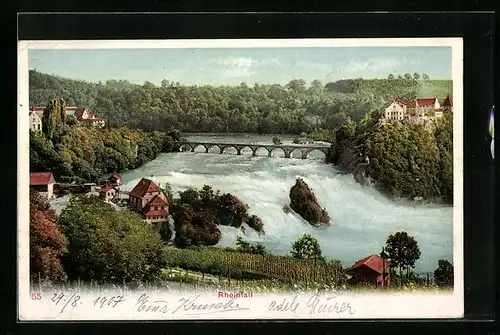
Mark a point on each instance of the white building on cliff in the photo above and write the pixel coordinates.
(416, 111)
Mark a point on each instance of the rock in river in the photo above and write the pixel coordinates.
(304, 202)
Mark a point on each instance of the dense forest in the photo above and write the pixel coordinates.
(84, 153)
(295, 108)
(403, 160)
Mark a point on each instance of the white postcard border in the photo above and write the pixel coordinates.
(412, 305)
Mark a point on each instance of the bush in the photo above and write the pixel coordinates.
(108, 245)
(244, 246)
(199, 213)
(443, 275)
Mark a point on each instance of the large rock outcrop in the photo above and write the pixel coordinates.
(304, 202)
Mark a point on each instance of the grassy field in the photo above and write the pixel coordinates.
(436, 88)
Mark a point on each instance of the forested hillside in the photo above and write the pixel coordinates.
(405, 160)
(83, 152)
(293, 108)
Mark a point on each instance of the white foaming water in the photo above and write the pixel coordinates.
(361, 217)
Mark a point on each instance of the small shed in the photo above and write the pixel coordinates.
(107, 193)
(43, 182)
(369, 271)
(89, 187)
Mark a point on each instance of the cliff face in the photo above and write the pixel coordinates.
(352, 160)
(304, 202)
(400, 160)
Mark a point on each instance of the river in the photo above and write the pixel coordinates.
(361, 217)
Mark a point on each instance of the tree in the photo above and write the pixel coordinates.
(307, 247)
(276, 140)
(255, 222)
(167, 192)
(244, 246)
(407, 76)
(163, 229)
(443, 275)
(194, 228)
(402, 251)
(71, 120)
(109, 245)
(164, 83)
(47, 242)
(391, 76)
(416, 76)
(425, 76)
(190, 196)
(62, 110)
(316, 86)
(296, 85)
(48, 125)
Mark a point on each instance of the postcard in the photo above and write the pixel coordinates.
(240, 179)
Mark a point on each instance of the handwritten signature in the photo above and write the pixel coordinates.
(144, 304)
(318, 304)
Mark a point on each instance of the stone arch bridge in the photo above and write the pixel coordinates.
(287, 149)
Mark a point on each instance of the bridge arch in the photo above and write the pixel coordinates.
(224, 147)
(242, 149)
(209, 147)
(276, 149)
(317, 152)
(296, 153)
(197, 145)
(185, 147)
(261, 148)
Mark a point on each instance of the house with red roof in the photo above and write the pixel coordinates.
(146, 198)
(95, 121)
(81, 114)
(413, 111)
(371, 270)
(107, 193)
(43, 182)
(447, 105)
(156, 209)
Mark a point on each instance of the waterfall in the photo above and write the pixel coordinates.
(171, 227)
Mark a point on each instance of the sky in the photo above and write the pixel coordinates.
(232, 66)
